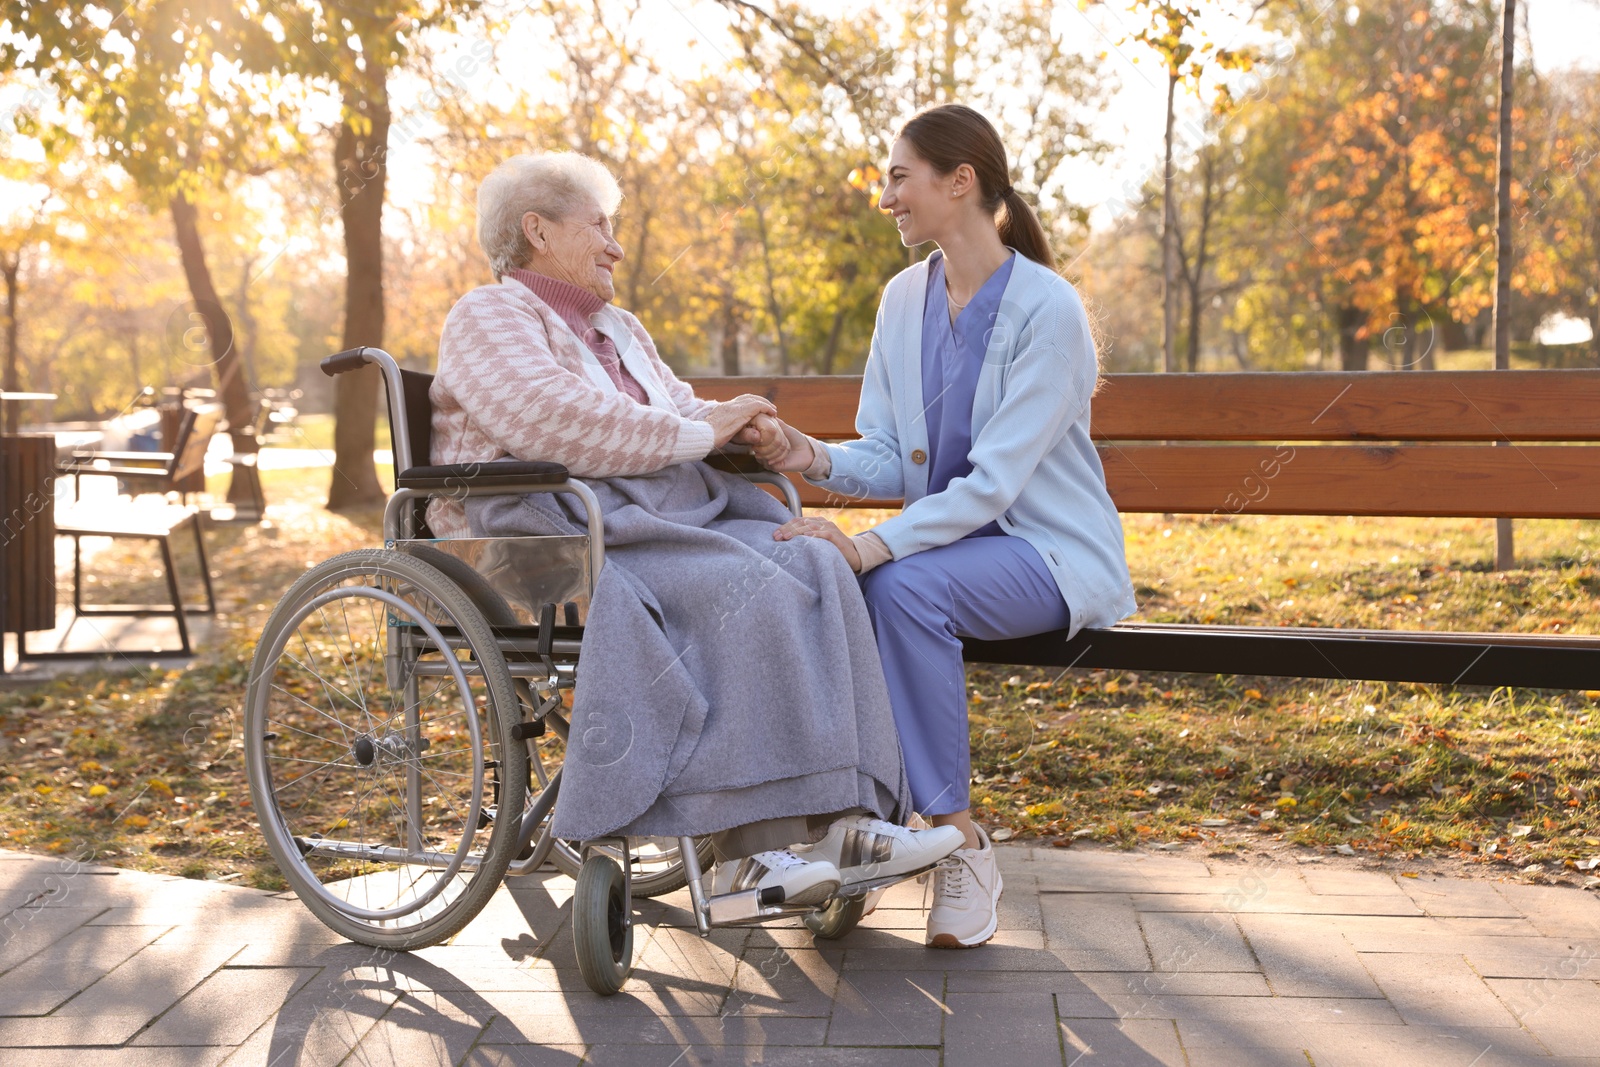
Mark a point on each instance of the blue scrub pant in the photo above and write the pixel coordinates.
(990, 588)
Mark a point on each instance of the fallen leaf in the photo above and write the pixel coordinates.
(98, 790)
(1004, 833)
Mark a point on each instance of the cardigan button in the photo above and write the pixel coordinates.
(919, 456)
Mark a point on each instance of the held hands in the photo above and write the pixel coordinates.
(779, 446)
(731, 421)
(815, 526)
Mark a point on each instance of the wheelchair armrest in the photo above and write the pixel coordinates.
(510, 474)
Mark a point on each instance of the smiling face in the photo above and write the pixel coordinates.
(579, 249)
(924, 202)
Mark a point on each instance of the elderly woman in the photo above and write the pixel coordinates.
(680, 723)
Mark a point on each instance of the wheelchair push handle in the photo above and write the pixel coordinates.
(342, 362)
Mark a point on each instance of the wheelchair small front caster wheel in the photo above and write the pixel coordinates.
(602, 931)
(837, 919)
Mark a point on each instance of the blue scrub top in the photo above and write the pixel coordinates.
(952, 356)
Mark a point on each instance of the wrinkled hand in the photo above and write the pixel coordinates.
(826, 530)
(729, 419)
(781, 447)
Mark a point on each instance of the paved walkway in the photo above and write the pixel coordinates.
(1102, 958)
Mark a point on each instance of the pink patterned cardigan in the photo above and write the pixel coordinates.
(515, 382)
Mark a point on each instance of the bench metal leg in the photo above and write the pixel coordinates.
(205, 567)
(172, 591)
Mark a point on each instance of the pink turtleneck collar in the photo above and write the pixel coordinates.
(576, 306)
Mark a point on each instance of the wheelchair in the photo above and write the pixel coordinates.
(405, 723)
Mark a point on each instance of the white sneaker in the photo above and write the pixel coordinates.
(864, 848)
(803, 881)
(966, 898)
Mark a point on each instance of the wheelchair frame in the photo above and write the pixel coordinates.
(469, 633)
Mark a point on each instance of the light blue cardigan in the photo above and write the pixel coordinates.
(1035, 469)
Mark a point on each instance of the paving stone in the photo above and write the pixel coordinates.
(424, 1028)
(1231, 1013)
(1237, 1056)
(683, 954)
(152, 981)
(1169, 984)
(1555, 911)
(882, 1008)
(1280, 903)
(1560, 1014)
(1432, 989)
(70, 965)
(486, 1055)
(28, 930)
(1410, 1046)
(56, 1031)
(1303, 956)
(1454, 896)
(124, 1057)
(320, 1024)
(1011, 1028)
(789, 982)
(990, 958)
(1196, 942)
(227, 1007)
(512, 1025)
(1580, 966)
(1129, 1043)
(1095, 932)
(771, 1056)
(1464, 936)
(1340, 883)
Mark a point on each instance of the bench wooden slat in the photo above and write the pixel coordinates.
(1435, 481)
(1542, 405)
(1304, 653)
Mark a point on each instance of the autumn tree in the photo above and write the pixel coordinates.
(167, 92)
(355, 50)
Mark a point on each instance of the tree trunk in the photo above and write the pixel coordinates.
(244, 485)
(360, 162)
(1169, 267)
(730, 337)
(1504, 548)
(830, 351)
(1353, 349)
(12, 380)
(1192, 345)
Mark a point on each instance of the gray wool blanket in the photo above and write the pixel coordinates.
(726, 677)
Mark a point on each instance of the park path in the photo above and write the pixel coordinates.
(1102, 958)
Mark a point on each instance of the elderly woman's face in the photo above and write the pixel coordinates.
(579, 249)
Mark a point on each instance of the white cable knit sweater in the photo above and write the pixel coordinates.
(515, 382)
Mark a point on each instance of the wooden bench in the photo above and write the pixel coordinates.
(148, 520)
(1416, 443)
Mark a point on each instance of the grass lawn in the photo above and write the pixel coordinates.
(144, 767)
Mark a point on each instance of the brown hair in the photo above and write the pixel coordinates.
(952, 134)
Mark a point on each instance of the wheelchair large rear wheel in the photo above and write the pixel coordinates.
(377, 727)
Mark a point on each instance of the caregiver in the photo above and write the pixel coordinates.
(975, 409)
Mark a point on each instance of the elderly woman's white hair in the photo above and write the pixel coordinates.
(552, 184)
